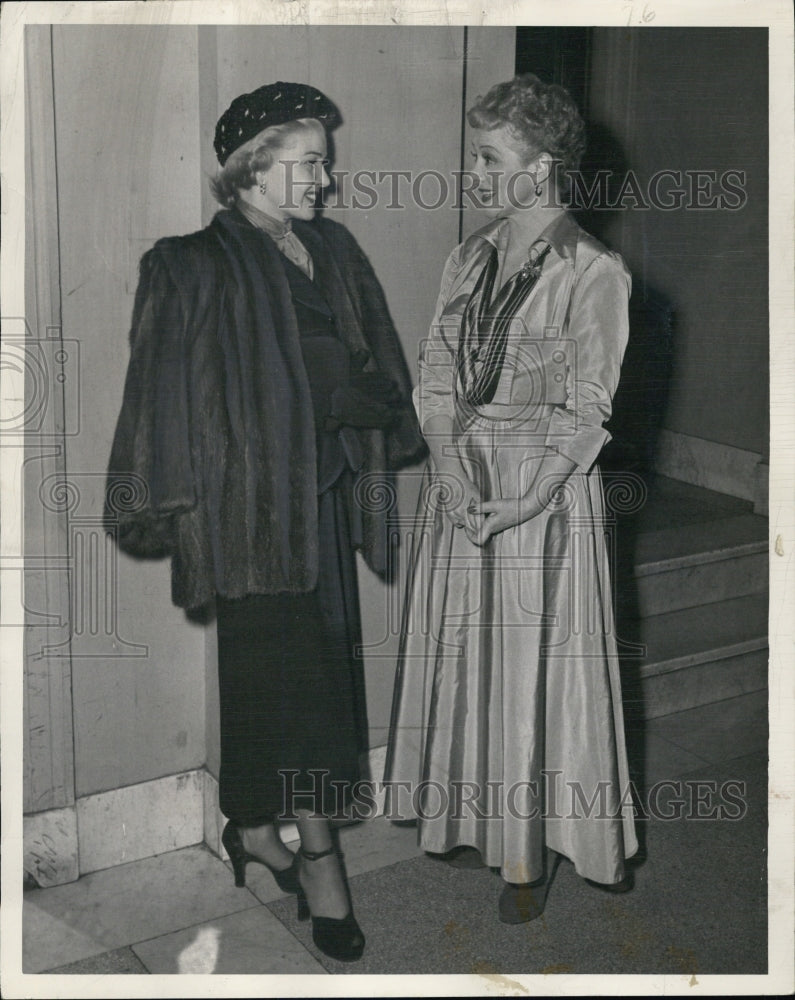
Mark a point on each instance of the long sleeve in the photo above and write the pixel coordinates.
(598, 328)
(404, 443)
(434, 394)
(150, 475)
(364, 313)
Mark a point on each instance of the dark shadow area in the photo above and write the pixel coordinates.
(627, 468)
(557, 55)
(597, 188)
(639, 407)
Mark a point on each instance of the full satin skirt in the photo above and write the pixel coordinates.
(507, 729)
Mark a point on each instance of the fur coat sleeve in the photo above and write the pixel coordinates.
(148, 486)
(213, 460)
(404, 444)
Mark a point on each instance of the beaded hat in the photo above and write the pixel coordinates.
(273, 104)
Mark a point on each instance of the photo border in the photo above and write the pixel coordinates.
(778, 18)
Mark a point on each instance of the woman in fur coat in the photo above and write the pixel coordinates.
(266, 393)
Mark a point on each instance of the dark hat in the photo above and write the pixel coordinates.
(273, 104)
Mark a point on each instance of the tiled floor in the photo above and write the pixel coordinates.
(180, 912)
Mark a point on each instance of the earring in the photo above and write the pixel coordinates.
(538, 190)
(263, 187)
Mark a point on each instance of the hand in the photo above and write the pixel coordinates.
(497, 515)
(375, 385)
(369, 399)
(458, 496)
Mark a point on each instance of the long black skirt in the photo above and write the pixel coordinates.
(293, 716)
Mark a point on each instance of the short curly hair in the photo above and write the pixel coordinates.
(541, 117)
(240, 170)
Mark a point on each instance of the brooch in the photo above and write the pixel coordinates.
(535, 261)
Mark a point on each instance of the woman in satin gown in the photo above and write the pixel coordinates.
(507, 727)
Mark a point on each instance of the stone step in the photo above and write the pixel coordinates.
(693, 564)
(705, 683)
(694, 656)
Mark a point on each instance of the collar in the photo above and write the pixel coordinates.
(273, 227)
(561, 234)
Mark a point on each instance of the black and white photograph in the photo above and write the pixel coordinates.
(398, 519)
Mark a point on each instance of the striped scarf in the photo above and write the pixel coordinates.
(485, 325)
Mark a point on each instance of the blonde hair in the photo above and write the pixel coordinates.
(240, 170)
(541, 117)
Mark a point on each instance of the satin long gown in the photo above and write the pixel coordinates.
(507, 727)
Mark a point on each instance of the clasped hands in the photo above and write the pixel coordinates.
(482, 519)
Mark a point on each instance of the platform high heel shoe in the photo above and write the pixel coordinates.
(340, 938)
(286, 879)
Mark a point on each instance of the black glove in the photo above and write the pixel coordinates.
(368, 399)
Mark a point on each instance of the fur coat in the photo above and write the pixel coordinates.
(214, 457)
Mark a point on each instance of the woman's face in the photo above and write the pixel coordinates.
(506, 179)
(297, 176)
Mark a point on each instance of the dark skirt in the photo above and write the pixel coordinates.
(293, 716)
